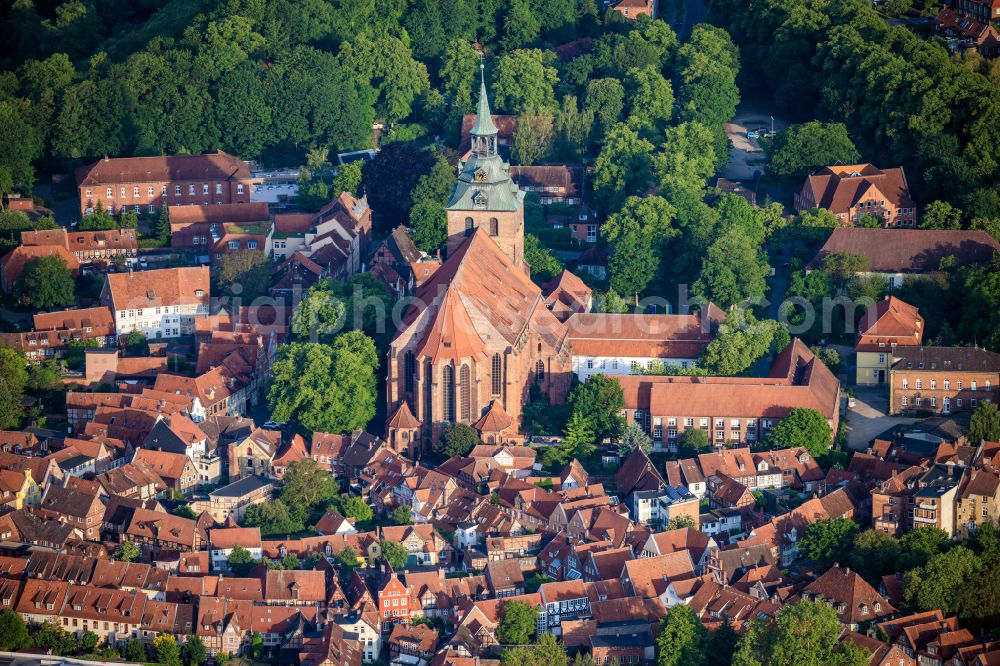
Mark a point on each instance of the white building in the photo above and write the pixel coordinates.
(369, 637)
(626, 344)
(159, 304)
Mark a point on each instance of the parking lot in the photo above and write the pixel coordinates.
(746, 156)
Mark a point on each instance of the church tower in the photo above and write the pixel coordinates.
(484, 195)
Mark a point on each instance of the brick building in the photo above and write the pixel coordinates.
(146, 184)
(87, 246)
(220, 229)
(53, 330)
(888, 324)
(943, 380)
(734, 411)
(852, 190)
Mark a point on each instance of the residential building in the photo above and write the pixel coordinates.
(89, 247)
(886, 325)
(943, 380)
(12, 264)
(977, 502)
(632, 9)
(851, 191)
(973, 24)
(146, 184)
(217, 230)
(412, 645)
(856, 602)
(554, 183)
(160, 303)
(52, 332)
(566, 294)
(176, 469)
(233, 500)
(624, 344)
(897, 254)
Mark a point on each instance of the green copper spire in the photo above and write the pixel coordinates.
(484, 119)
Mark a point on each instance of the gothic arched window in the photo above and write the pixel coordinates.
(428, 393)
(448, 393)
(497, 374)
(470, 225)
(540, 372)
(465, 393)
(409, 370)
(494, 226)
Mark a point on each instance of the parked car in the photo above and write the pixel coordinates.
(753, 134)
(272, 425)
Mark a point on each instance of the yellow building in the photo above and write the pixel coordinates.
(886, 325)
(18, 489)
(977, 502)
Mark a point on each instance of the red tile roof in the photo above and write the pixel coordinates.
(890, 321)
(210, 166)
(908, 250)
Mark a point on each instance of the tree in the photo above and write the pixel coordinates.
(634, 436)
(544, 264)
(535, 581)
(45, 283)
(546, 652)
(87, 642)
(457, 440)
(803, 427)
(517, 623)
(721, 645)
(807, 633)
(273, 518)
(800, 149)
(520, 26)
(600, 401)
(429, 225)
(167, 651)
(734, 270)
(650, 98)
(532, 137)
(13, 631)
(940, 215)
(346, 560)
(578, 438)
(135, 651)
(243, 274)
(194, 650)
(573, 128)
(391, 177)
(162, 228)
(99, 220)
(875, 554)
(623, 168)
(328, 388)
(524, 82)
(919, 545)
(44, 376)
(307, 486)
(240, 561)
(681, 522)
(741, 340)
(402, 515)
(354, 507)
(693, 441)
(127, 552)
(985, 423)
(610, 301)
(827, 542)
(636, 234)
(21, 143)
(395, 554)
(387, 62)
(606, 101)
(682, 638)
(51, 636)
(135, 343)
(348, 178)
(938, 584)
(13, 380)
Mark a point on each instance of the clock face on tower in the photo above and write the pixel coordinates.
(481, 176)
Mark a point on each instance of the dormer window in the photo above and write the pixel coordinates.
(479, 200)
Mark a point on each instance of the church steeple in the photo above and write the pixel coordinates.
(484, 131)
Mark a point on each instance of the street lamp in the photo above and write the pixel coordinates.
(772, 124)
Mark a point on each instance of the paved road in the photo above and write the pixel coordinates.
(695, 12)
(868, 418)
